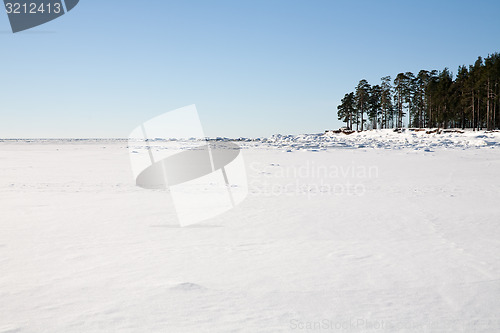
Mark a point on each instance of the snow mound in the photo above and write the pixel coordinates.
(385, 139)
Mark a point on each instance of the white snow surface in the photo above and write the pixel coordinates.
(369, 232)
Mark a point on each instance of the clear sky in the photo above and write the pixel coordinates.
(253, 68)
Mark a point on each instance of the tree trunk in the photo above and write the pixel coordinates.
(362, 120)
(473, 112)
(357, 121)
(478, 119)
(488, 116)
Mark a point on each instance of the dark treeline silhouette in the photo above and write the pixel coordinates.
(428, 99)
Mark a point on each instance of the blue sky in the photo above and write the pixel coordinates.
(253, 68)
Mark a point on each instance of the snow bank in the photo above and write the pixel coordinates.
(386, 139)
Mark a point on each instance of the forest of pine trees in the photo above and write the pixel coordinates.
(428, 99)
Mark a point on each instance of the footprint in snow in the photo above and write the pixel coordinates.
(187, 286)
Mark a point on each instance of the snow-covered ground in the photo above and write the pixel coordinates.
(371, 232)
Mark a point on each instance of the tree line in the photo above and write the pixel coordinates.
(428, 99)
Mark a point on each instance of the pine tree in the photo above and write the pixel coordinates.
(400, 92)
(375, 105)
(362, 100)
(409, 96)
(462, 95)
(386, 101)
(420, 97)
(443, 97)
(346, 110)
(476, 71)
